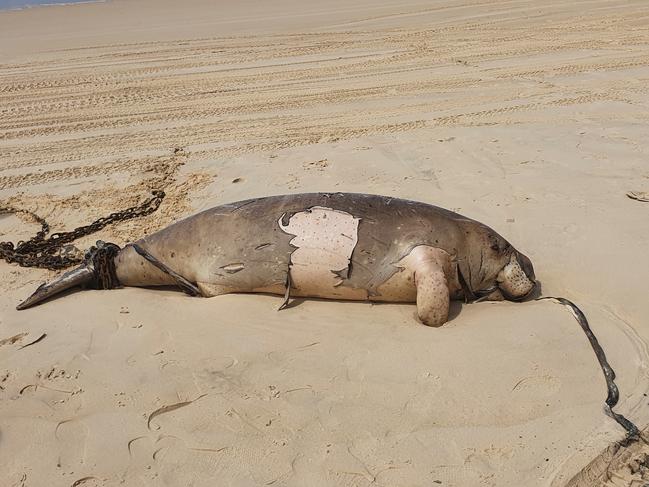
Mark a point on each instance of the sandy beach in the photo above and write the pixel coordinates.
(531, 117)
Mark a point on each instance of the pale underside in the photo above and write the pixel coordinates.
(426, 276)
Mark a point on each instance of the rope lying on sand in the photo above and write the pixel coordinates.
(609, 374)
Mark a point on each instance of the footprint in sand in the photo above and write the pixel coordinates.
(71, 436)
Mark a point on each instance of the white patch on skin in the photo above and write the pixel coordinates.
(325, 239)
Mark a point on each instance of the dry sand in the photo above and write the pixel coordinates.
(529, 116)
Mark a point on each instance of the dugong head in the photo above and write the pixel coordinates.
(491, 268)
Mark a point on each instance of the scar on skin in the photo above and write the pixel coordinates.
(233, 268)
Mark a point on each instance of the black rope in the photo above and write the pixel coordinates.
(182, 283)
(609, 374)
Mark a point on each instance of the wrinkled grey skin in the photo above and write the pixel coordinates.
(242, 246)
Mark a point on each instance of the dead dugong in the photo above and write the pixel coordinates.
(328, 245)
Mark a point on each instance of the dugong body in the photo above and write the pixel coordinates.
(333, 245)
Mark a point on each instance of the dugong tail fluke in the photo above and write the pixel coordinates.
(80, 276)
(97, 271)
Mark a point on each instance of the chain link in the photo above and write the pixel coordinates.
(47, 253)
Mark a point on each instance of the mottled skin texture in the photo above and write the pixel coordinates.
(402, 251)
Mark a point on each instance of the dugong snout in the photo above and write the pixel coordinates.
(516, 280)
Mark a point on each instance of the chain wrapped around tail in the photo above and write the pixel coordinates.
(97, 272)
(97, 269)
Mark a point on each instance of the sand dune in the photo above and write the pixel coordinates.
(531, 118)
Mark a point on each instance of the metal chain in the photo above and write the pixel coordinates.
(46, 252)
